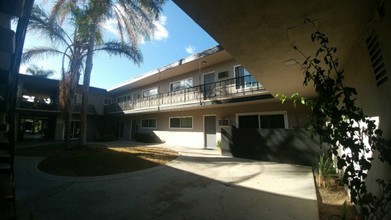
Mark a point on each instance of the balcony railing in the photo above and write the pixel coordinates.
(43, 106)
(226, 89)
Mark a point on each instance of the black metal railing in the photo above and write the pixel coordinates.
(239, 86)
(40, 105)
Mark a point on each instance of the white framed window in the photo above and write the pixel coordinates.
(150, 92)
(148, 123)
(123, 98)
(244, 79)
(181, 122)
(181, 84)
(107, 101)
(259, 120)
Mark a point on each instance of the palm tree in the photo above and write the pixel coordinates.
(34, 70)
(134, 19)
(75, 52)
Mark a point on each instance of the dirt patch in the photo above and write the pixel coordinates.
(97, 160)
(331, 199)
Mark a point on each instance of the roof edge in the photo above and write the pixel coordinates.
(178, 63)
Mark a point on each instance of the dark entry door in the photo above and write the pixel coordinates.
(210, 131)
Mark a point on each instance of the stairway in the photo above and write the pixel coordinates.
(11, 47)
(7, 190)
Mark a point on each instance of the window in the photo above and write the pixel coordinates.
(244, 79)
(107, 101)
(77, 99)
(123, 98)
(136, 95)
(74, 130)
(148, 123)
(150, 92)
(221, 75)
(182, 84)
(259, 120)
(181, 122)
(377, 60)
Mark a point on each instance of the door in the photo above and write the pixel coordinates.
(120, 129)
(210, 131)
(133, 130)
(128, 130)
(209, 85)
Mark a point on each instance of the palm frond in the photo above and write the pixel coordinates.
(62, 8)
(40, 52)
(34, 70)
(135, 19)
(41, 24)
(121, 49)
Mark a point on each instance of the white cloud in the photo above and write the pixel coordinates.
(190, 49)
(111, 26)
(160, 33)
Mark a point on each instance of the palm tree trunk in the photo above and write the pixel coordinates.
(68, 90)
(86, 88)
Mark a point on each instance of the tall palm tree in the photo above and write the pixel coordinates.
(74, 49)
(34, 70)
(66, 45)
(134, 19)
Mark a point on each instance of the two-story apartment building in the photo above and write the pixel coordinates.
(38, 113)
(187, 102)
(184, 103)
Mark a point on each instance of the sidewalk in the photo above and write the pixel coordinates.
(199, 184)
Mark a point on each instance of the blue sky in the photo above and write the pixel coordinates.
(178, 36)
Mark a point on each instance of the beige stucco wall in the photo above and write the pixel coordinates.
(196, 75)
(374, 100)
(194, 137)
(97, 98)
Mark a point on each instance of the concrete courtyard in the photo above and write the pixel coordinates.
(199, 184)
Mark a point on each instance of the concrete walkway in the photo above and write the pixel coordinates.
(199, 184)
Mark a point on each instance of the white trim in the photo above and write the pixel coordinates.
(141, 124)
(169, 85)
(203, 126)
(181, 62)
(192, 122)
(244, 88)
(284, 113)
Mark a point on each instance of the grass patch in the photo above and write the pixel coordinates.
(97, 160)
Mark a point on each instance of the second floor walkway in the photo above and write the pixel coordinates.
(230, 90)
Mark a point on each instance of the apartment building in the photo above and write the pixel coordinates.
(261, 34)
(187, 102)
(38, 114)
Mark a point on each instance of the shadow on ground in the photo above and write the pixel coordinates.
(191, 187)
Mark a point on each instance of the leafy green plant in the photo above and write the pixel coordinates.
(219, 145)
(326, 169)
(341, 124)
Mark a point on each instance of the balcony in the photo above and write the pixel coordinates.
(40, 105)
(230, 90)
